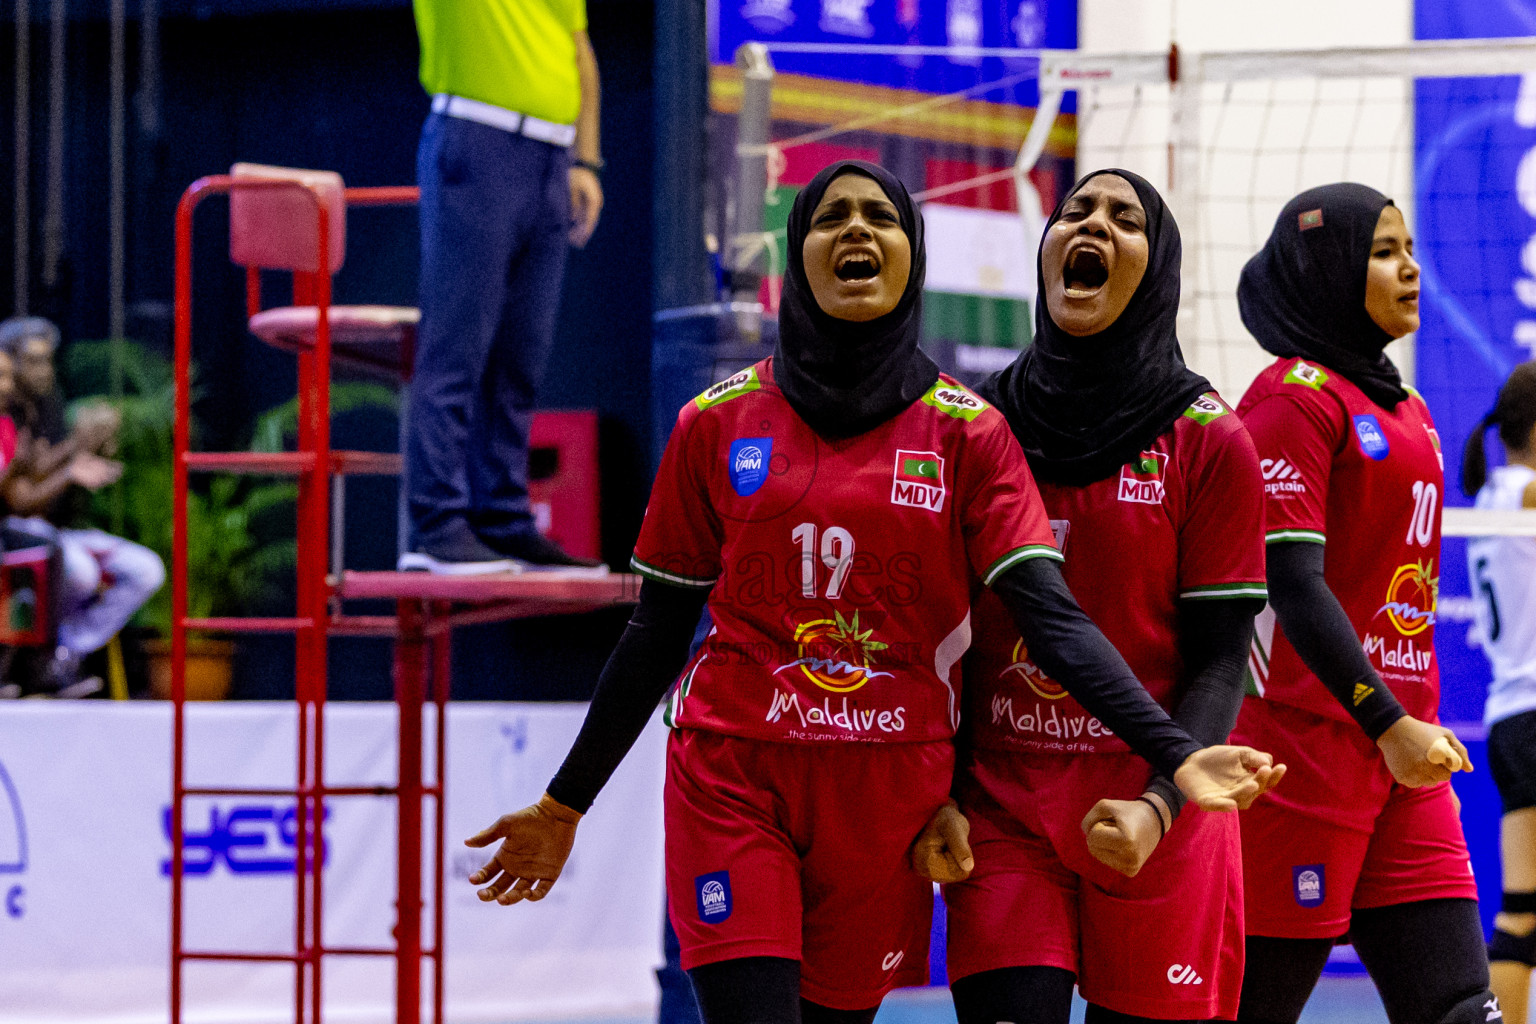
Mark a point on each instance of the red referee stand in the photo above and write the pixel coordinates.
(295, 221)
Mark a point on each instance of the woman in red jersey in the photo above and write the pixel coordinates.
(835, 505)
(1153, 487)
(1365, 838)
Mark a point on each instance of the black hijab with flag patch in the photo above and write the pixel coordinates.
(1083, 407)
(846, 378)
(1303, 294)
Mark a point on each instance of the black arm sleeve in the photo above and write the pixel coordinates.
(1064, 642)
(638, 674)
(1214, 636)
(1315, 624)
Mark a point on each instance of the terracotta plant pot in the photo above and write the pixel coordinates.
(210, 666)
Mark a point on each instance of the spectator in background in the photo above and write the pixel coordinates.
(105, 578)
(514, 87)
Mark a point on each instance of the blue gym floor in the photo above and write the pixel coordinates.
(1338, 1000)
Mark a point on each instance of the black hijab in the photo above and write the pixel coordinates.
(1083, 407)
(846, 378)
(1303, 294)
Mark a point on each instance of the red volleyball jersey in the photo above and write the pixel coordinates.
(1368, 481)
(842, 572)
(1184, 520)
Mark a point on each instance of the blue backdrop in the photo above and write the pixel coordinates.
(1475, 175)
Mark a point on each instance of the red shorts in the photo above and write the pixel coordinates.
(1167, 943)
(1338, 834)
(800, 851)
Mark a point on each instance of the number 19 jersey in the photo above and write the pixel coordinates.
(842, 572)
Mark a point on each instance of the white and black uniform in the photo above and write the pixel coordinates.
(1502, 571)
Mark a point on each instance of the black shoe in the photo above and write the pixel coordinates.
(535, 553)
(460, 553)
(60, 677)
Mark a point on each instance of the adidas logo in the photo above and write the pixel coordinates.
(1184, 974)
(1362, 691)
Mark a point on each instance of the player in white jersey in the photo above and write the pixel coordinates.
(1503, 575)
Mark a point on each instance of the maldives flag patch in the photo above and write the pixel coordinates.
(918, 480)
(1309, 219)
(1141, 479)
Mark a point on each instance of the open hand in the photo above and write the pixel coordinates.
(535, 843)
(1420, 754)
(1123, 833)
(1227, 778)
(942, 852)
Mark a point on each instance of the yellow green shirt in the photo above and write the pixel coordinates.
(516, 54)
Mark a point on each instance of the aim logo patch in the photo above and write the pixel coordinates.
(836, 654)
(1310, 884)
(1032, 674)
(1411, 598)
(714, 896)
(748, 463)
(918, 480)
(1373, 442)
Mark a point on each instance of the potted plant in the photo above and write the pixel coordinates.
(241, 551)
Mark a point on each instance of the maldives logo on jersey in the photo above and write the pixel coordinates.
(836, 654)
(1372, 441)
(748, 463)
(918, 481)
(1141, 481)
(1024, 669)
(1411, 598)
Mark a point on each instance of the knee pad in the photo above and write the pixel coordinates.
(1520, 949)
(1518, 903)
(1482, 1008)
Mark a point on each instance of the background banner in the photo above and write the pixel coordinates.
(85, 852)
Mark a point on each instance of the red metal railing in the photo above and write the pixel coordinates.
(425, 617)
(313, 464)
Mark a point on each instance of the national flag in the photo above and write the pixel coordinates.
(919, 468)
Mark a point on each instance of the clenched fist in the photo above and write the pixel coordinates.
(1123, 833)
(942, 853)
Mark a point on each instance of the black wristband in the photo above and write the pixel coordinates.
(595, 166)
(1164, 787)
(1162, 829)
